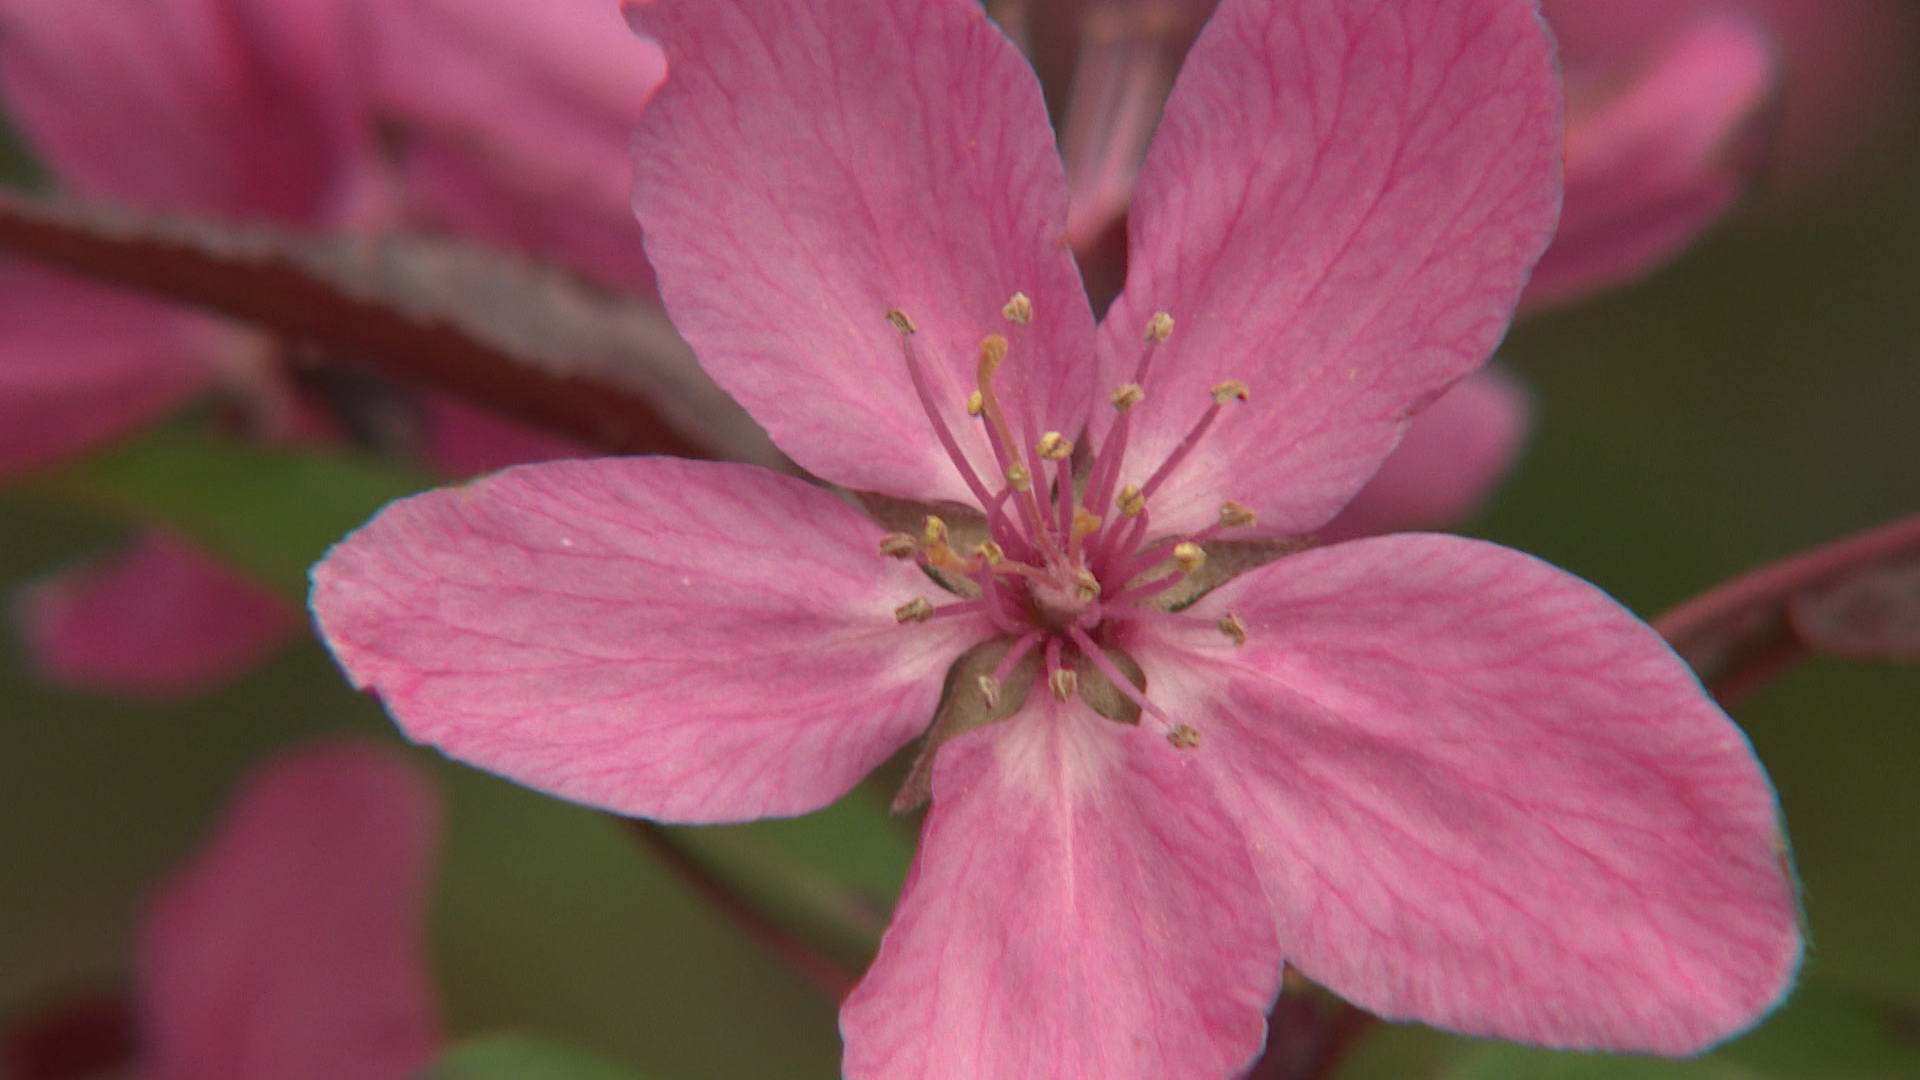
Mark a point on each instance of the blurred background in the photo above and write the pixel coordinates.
(1759, 396)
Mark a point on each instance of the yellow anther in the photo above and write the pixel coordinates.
(918, 609)
(1235, 630)
(1064, 684)
(1085, 522)
(899, 546)
(1130, 501)
(989, 689)
(1160, 327)
(934, 533)
(1019, 478)
(1055, 446)
(900, 321)
(991, 552)
(1235, 516)
(993, 349)
(1019, 310)
(1085, 586)
(1126, 396)
(976, 403)
(1231, 390)
(1184, 737)
(1189, 556)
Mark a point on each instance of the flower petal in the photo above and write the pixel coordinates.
(160, 619)
(670, 639)
(1482, 795)
(1447, 466)
(81, 364)
(809, 165)
(291, 947)
(1080, 907)
(1658, 161)
(1339, 209)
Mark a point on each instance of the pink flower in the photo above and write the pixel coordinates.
(1445, 780)
(290, 948)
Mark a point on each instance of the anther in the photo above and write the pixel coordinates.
(1019, 310)
(989, 689)
(899, 546)
(1189, 556)
(1160, 327)
(900, 321)
(934, 533)
(1086, 587)
(1055, 446)
(1064, 683)
(1130, 501)
(1235, 516)
(1235, 630)
(993, 349)
(993, 553)
(1184, 737)
(1126, 396)
(1231, 390)
(918, 609)
(976, 403)
(1018, 478)
(1086, 523)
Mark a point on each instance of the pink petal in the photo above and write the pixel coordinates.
(670, 639)
(160, 619)
(809, 165)
(81, 364)
(245, 110)
(290, 948)
(1446, 467)
(1483, 795)
(519, 120)
(1080, 908)
(1650, 167)
(1339, 209)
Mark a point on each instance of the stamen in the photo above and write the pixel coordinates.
(1086, 523)
(900, 321)
(1183, 737)
(1235, 630)
(976, 401)
(1086, 587)
(934, 532)
(1223, 393)
(1055, 446)
(993, 352)
(991, 552)
(989, 689)
(899, 546)
(1019, 478)
(1019, 310)
(1126, 396)
(1004, 668)
(940, 430)
(1160, 328)
(918, 609)
(1120, 682)
(1130, 501)
(1235, 516)
(1189, 557)
(1064, 684)
(1231, 390)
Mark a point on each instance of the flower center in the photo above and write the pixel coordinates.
(1065, 552)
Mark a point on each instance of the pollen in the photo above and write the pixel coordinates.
(976, 403)
(1189, 556)
(1055, 446)
(1126, 396)
(934, 533)
(1086, 523)
(918, 609)
(899, 546)
(1184, 737)
(1130, 501)
(1235, 516)
(1064, 683)
(900, 321)
(1235, 630)
(1231, 390)
(991, 552)
(1160, 327)
(1019, 310)
(1018, 478)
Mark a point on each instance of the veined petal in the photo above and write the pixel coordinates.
(1339, 209)
(670, 639)
(81, 363)
(1654, 164)
(1448, 463)
(1483, 795)
(1080, 908)
(809, 165)
(292, 946)
(160, 619)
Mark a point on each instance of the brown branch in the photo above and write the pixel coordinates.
(1854, 597)
(825, 973)
(524, 341)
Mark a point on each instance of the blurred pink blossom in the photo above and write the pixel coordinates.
(1445, 780)
(291, 947)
